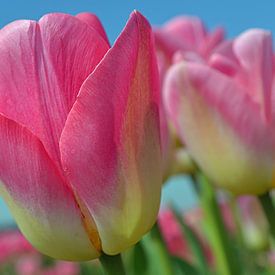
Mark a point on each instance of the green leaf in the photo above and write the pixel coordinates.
(136, 260)
(159, 260)
(217, 234)
(184, 268)
(140, 261)
(91, 267)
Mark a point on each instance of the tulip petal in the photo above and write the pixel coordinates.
(225, 49)
(181, 33)
(41, 203)
(42, 68)
(213, 40)
(187, 28)
(93, 21)
(217, 120)
(110, 146)
(223, 64)
(254, 51)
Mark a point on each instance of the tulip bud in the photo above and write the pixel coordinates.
(224, 115)
(80, 162)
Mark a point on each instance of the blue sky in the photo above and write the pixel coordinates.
(235, 15)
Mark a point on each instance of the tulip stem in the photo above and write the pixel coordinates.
(112, 265)
(215, 229)
(269, 210)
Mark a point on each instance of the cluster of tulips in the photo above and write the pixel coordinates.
(18, 257)
(89, 132)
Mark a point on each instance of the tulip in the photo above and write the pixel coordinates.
(183, 37)
(222, 109)
(17, 252)
(172, 234)
(80, 161)
(13, 244)
(175, 238)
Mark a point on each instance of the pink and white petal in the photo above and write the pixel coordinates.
(254, 51)
(93, 21)
(41, 203)
(110, 146)
(221, 127)
(42, 68)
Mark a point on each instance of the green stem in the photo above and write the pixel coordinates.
(245, 254)
(269, 210)
(112, 265)
(218, 237)
(196, 185)
(159, 256)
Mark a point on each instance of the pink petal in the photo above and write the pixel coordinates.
(221, 127)
(93, 21)
(212, 41)
(187, 56)
(233, 103)
(191, 30)
(166, 45)
(223, 64)
(42, 68)
(226, 49)
(224, 59)
(181, 33)
(173, 236)
(39, 199)
(254, 52)
(110, 145)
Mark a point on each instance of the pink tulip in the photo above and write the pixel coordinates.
(80, 154)
(173, 235)
(15, 249)
(223, 111)
(175, 239)
(13, 244)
